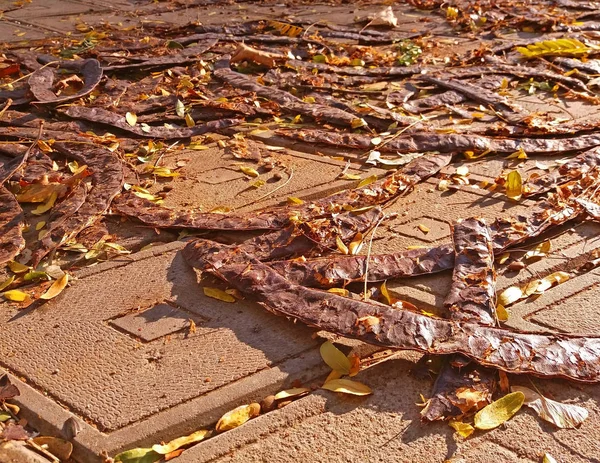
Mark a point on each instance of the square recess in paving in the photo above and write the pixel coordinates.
(125, 325)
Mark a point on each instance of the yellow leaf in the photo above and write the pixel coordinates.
(358, 122)
(333, 375)
(237, 417)
(500, 411)
(452, 13)
(510, 295)
(501, 313)
(56, 288)
(15, 295)
(462, 429)
(16, 267)
(503, 257)
(294, 200)
(565, 416)
(472, 155)
(219, 294)
(347, 386)
(548, 458)
(189, 121)
(549, 281)
(514, 185)
(198, 146)
(423, 228)
(180, 442)
(347, 176)
(335, 358)
(539, 251)
(385, 293)
(286, 29)
(356, 244)
(339, 291)
(521, 154)
(249, 171)
(139, 455)
(340, 245)
(131, 119)
(38, 193)
(289, 393)
(376, 141)
(6, 283)
(558, 47)
(45, 207)
(367, 181)
(41, 224)
(462, 171)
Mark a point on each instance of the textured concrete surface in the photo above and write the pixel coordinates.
(117, 353)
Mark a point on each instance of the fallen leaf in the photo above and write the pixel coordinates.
(366, 181)
(463, 171)
(358, 122)
(58, 447)
(551, 280)
(289, 393)
(356, 244)
(514, 185)
(349, 176)
(39, 193)
(463, 429)
(219, 294)
(539, 251)
(423, 228)
(354, 364)
(339, 291)
(56, 288)
(173, 454)
(385, 293)
(15, 295)
(562, 415)
(139, 455)
(189, 121)
(131, 119)
(557, 47)
(16, 267)
(237, 417)
(249, 171)
(45, 207)
(6, 283)
(510, 295)
(246, 53)
(500, 411)
(385, 17)
(347, 386)
(548, 458)
(335, 358)
(340, 245)
(180, 442)
(294, 200)
(501, 313)
(180, 108)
